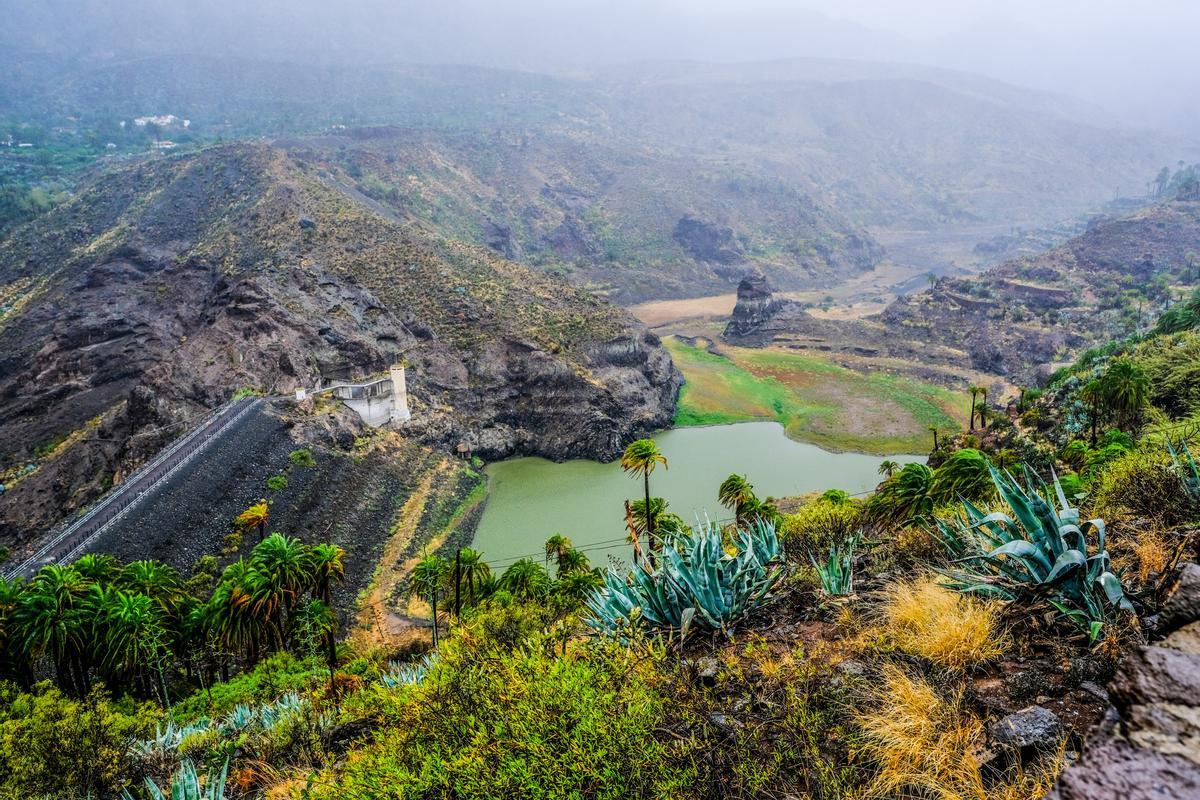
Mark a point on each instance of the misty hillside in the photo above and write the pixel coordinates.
(163, 288)
(654, 180)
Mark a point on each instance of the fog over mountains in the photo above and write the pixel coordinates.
(1124, 58)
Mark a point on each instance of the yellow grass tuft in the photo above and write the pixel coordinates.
(922, 744)
(948, 628)
(1152, 555)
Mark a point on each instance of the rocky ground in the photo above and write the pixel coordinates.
(1148, 745)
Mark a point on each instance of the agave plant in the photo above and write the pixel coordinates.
(837, 571)
(239, 719)
(695, 582)
(1189, 473)
(407, 674)
(185, 785)
(1038, 553)
(167, 739)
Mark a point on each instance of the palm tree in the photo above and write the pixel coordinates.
(1126, 390)
(135, 636)
(1094, 395)
(735, 493)
(527, 579)
(10, 594)
(428, 582)
(256, 516)
(49, 622)
(640, 458)
(281, 569)
(933, 429)
(231, 616)
(328, 567)
(887, 468)
(974, 390)
(155, 580)
(473, 575)
(573, 562)
(98, 567)
(558, 546)
(983, 406)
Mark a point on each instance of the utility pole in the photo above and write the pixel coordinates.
(457, 579)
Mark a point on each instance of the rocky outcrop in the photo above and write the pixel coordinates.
(1149, 746)
(755, 305)
(707, 241)
(135, 320)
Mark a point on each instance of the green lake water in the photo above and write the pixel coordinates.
(531, 499)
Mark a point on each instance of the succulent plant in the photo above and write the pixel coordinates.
(696, 582)
(1185, 467)
(185, 785)
(168, 738)
(837, 571)
(407, 674)
(1039, 553)
(239, 719)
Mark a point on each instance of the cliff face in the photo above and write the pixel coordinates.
(163, 288)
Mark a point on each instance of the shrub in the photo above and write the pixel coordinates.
(1142, 485)
(1040, 554)
(1075, 454)
(942, 626)
(302, 457)
(277, 483)
(272, 677)
(493, 722)
(58, 746)
(820, 524)
(695, 581)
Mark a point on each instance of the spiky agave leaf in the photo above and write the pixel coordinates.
(696, 582)
(1040, 553)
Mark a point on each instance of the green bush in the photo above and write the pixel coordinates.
(270, 678)
(821, 523)
(492, 722)
(1142, 485)
(302, 457)
(58, 746)
(277, 483)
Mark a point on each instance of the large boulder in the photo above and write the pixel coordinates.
(755, 305)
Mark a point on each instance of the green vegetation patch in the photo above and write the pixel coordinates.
(815, 400)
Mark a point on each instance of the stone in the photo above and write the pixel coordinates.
(755, 304)
(706, 670)
(307, 224)
(1157, 675)
(1031, 729)
(1183, 604)
(1117, 769)
(1168, 728)
(1185, 640)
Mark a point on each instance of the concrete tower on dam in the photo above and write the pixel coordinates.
(378, 402)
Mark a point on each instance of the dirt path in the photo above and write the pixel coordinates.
(377, 624)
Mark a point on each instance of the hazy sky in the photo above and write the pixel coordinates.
(1138, 59)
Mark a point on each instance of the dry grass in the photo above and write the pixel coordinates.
(923, 744)
(945, 627)
(1152, 555)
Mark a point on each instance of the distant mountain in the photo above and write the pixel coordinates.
(163, 287)
(627, 178)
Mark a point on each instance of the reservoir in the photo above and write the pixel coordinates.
(531, 499)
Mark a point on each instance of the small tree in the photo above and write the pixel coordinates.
(428, 582)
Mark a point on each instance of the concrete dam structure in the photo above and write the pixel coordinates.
(378, 402)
